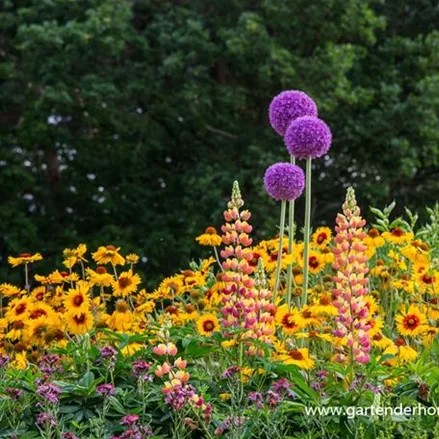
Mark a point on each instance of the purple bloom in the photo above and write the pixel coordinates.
(48, 364)
(140, 367)
(229, 423)
(46, 419)
(228, 373)
(284, 181)
(178, 396)
(281, 385)
(105, 389)
(49, 392)
(129, 420)
(14, 393)
(308, 137)
(4, 360)
(273, 398)
(288, 106)
(69, 435)
(108, 352)
(257, 398)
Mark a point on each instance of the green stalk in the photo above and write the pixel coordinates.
(290, 243)
(279, 254)
(307, 230)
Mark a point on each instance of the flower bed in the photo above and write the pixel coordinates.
(241, 344)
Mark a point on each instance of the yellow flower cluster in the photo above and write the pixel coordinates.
(102, 290)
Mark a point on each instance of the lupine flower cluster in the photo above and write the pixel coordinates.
(351, 281)
(246, 303)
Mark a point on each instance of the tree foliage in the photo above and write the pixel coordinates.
(125, 122)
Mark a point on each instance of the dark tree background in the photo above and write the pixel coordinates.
(126, 122)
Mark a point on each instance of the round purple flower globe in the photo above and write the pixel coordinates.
(308, 137)
(284, 181)
(288, 106)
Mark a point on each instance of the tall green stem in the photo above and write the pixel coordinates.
(279, 253)
(290, 243)
(307, 231)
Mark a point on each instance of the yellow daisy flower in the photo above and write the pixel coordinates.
(8, 290)
(18, 309)
(122, 318)
(416, 251)
(74, 255)
(132, 258)
(126, 284)
(288, 321)
(411, 322)
(78, 323)
(207, 324)
(321, 237)
(77, 300)
(24, 258)
(299, 357)
(108, 254)
(99, 277)
(209, 238)
(398, 236)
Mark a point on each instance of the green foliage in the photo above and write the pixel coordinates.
(125, 122)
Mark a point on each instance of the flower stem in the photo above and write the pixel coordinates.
(279, 254)
(307, 231)
(26, 275)
(217, 258)
(290, 243)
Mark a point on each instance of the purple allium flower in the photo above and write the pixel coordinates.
(49, 392)
(129, 420)
(284, 181)
(308, 137)
(13, 393)
(288, 106)
(105, 389)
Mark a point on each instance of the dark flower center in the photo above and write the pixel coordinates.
(411, 321)
(398, 232)
(321, 238)
(124, 282)
(208, 326)
(373, 233)
(78, 300)
(296, 355)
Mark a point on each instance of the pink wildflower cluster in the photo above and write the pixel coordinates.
(245, 305)
(351, 281)
(176, 387)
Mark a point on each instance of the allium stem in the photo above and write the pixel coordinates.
(290, 243)
(279, 253)
(26, 276)
(307, 230)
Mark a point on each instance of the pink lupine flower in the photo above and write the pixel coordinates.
(351, 281)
